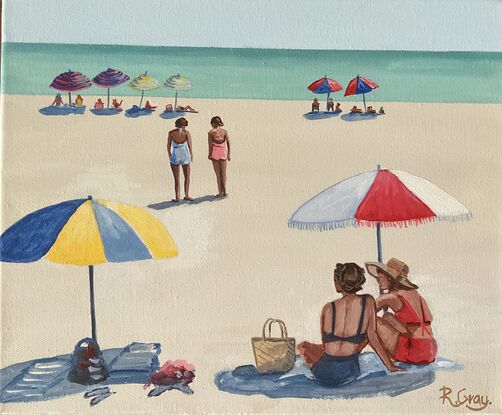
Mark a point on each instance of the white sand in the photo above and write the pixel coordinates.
(239, 263)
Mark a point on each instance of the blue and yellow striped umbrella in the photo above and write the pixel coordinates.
(87, 232)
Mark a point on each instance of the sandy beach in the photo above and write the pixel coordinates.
(238, 262)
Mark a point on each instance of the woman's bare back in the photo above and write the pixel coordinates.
(348, 314)
(177, 136)
(218, 135)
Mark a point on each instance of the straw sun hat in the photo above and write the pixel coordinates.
(395, 269)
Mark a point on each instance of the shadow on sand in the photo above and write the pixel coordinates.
(61, 110)
(354, 116)
(197, 200)
(168, 115)
(321, 115)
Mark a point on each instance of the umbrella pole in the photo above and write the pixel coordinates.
(379, 236)
(69, 98)
(379, 242)
(364, 101)
(327, 100)
(108, 103)
(175, 100)
(141, 101)
(93, 312)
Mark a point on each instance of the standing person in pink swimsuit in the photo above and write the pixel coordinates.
(219, 153)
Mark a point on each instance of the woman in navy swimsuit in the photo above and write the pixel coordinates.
(347, 325)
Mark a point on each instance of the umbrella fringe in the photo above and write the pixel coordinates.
(327, 226)
(321, 226)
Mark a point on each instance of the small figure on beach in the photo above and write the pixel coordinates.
(99, 105)
(219, 153)
(58, 101)
(169, 108)
(381, 111)
(356, 110)
(185, 108)
(315, 105)
(347, 325)
(79, 101)
(149, 106)
(117, 105)
(338, 107)
(179, 148)
(406, 334)
(330, 105)
(370, 110)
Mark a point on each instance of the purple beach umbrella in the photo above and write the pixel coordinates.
(110, 79)
(70, 82)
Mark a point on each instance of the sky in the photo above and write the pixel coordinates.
(434, 25)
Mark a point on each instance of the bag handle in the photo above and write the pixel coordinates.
(270, 321)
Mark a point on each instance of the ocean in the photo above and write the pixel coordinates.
(265, 74)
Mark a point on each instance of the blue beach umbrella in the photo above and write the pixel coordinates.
(360, 85)
(325, 86)
(87, 232)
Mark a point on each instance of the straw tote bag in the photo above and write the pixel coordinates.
(274, 354)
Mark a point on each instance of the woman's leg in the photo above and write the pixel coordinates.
(216, 168)
(310, 352)
(186, 173)
(176, 173)
(389, 332)
(223, 172)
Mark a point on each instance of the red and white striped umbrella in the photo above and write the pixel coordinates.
(379, 198)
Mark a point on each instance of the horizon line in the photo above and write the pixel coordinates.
(253, 48)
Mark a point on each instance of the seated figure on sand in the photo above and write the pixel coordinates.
(406, 333)
(149, 107)
(185, 108)
(58, 101)
(330, 105)
(370, 110)
(117, 105)
(79, 101)
(347, 325)
(381, 111)
(315, 105)
(338, 108)
(99, 105)
(169, 108)
(356, 110)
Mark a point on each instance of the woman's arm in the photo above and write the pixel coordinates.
(169, 140)
(189, 138)
(388, 300)
(210, 145)
(228, 145)
(374, 339)
(323, 315)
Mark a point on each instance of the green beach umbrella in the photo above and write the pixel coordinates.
(177, 83)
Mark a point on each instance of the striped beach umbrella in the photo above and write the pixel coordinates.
(325, 86)
(87, 232)
(70, 81)
(177, 83)
(360, 85)
(144, 83)
(109, 79)
(378, 198)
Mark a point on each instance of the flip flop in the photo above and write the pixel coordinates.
(189, 199)
(175, 200)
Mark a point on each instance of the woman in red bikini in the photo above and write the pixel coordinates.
(219, 153)
(406, 334)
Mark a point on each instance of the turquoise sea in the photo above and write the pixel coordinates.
(28, 69)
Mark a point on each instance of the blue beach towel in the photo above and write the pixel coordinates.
(300, 383)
